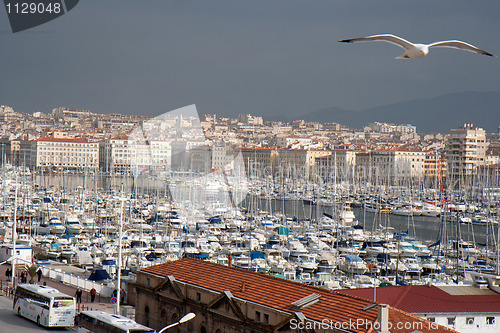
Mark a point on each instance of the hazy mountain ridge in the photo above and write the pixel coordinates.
(436, 114)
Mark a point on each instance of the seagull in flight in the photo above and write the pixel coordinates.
(417, 50)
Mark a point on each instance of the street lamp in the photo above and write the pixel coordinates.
(187, 317)
(14, 237)
(119, 287)
(10, 259)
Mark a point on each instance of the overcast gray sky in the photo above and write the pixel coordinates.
(230, 57)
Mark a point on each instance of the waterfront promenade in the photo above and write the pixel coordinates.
(101, 302)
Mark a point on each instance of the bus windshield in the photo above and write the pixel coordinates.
(63, 302)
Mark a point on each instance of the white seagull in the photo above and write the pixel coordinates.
(417, 50)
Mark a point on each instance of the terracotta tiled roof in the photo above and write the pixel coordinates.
(52, 139)
(274, 292)
(490, 166)
(429, 299)
(259, 148)
(266, 290)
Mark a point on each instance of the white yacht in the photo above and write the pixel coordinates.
(56, 227)
(73, 225)
(352, 264)
(89, 225)
(307, 262)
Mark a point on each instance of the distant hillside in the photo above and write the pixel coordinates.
(437, 114)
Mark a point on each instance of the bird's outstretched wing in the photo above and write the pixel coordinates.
(456, 44)
(384, 38)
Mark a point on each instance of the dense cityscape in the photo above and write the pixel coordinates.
(101, 142)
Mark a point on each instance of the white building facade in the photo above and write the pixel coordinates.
(465, 151)
(63, 153)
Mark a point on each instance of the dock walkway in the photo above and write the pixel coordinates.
(101, 303)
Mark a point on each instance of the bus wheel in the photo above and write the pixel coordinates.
(38, 320)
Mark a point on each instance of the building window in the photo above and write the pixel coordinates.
(266, 318)
(490, 320)
(198, 297)
(146, 310)
(469, 320)
(451, 321)
(148, 282)
(257, 315)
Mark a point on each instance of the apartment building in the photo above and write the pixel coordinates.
(154, 154)
(435, 167)
(391, 166)
(392, 128)
(339, 163)
(257, 159)
(64, 153)
(222, 156)
(287, 141)
(273, 159)
(250, 120)
(300, 159)
(465, 151)
(114, 155)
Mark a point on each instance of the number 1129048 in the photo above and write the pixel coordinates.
(33, 8)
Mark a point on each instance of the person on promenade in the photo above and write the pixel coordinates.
(78, 295)
(39, 274)
(92, 295)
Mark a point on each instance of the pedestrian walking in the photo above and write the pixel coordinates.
(39, 274)
(78, 295)
(92, 295)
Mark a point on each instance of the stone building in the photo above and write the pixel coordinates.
(227, 299)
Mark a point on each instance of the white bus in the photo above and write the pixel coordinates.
(105, 322)
(45, 305)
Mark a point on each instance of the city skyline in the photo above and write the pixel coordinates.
(260, 58)
(79, 139)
